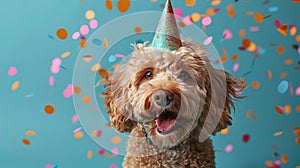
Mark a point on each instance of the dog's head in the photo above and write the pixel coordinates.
(172, 94)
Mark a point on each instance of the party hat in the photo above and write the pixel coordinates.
(167, 35)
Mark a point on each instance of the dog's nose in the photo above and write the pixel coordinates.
(162, 97)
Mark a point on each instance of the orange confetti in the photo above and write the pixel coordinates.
(246, 43)
(255, 84)
(49, 109)
(258, 17)
(87, 58)
(280, 49)
(77, 89)
(62, 33)
(283, 74)
(268, 163)
(215, 2)
(284, 158)
(298, 38)
(295, 1)
(103, 73)
(105, 42)
(229, 7)
(123, 5)
(234, 57)
(254, 117)
(30, 133)
(26, 141)
(287, 109)
(270, 74)
(190, 2)
(298, 108)
(297, 131)
(278, 133)
(278, 109)
(65, 55)
(109, 5)
(107, 155)
(89, 154)
(283, 29)
(210, 12)
(181, 24)
(231, 13)
(15, 85)
(223, 58)
(78, 135)
(288, 61)
(82, 43)
(297, 140)
(195, 17)
(138, 30)
(86, 99)
(242, 33)
(115, 140)
(249, 113)
(250, 13)
(224, 131)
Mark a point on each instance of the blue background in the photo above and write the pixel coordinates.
(25, 44)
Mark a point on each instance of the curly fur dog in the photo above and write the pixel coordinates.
(163, 98)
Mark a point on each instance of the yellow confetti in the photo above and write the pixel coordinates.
(30, 133)
(195, 17)
(215, 2)
(78, 135)
(96, 67)
(15, 85)
(89, 15)
(87, 58)
(190, 2)
(105, 42)
(224, 131)
(115, 139)
(65, 55)
(293, 30)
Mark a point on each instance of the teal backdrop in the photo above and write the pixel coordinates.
(260, 135)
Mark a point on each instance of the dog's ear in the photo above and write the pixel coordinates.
(118, 106)
(224, 89)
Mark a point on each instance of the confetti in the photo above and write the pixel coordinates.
(101, 151)
(87, 58)
(254, 28)
(287, 109)
(177, 13)
(270, 74)
(234, 57)
(123, 5)
(206, 21)
(255, 84)
(235, 67)
(297, 92)
(297, 140)
(12, 71)
(109, 5)
(293, 30)
(105, 42)
(82, 43)
(279, 109)
(49, 109)
(190, 2)
(78, 135)
(48, 166)
(138, 30)
(93, 24)
(268, 163)
(283, 29)
(282, 87)
(84, 29)
(215, 2)
(30, 133)
(89, 154)
(89, 15)
(120, 56)
(227, 34)
(112, 58)
(298, 108)
(273, 9)
(77, 89)
(15, 85)
(115, 151)
(75, 118)
(97, 42)
(284, 158)
(51, 80)
(242, 33)
(113, 166)
(280, 49)
(228, 148)
(62, 33)
(96, 133)
(224, 131)
(298, 38)
(95, 67)
(278, 133)
(65, 54)
(115, 140)
(258, 17)
(246, 138)
(68, 92)
(55, 67)
(77, 130)
(86, 99)
(26, 141)
(75, 35)
(208, 40)
(195, 17)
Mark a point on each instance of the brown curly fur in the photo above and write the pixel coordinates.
(129, 100)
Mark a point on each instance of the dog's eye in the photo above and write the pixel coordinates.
(148, 74)
(184, 75)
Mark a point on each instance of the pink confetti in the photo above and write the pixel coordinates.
(217, 10)
(299, 50)
(12, 71)
(227, 34)
(206, 21)
(68, 92)
(291, 89)
(254, 28)
(77, 130)
(55, 68)
(187, 21)
(48, 166)
(99, 133)
(208, 40)
(75, 36)
(113, 166)
(101, 151)
(277, 23)
(115, 151)
(51, 80)
(84, 29)
(235, 67)
(93, 24)
(297, 91)
(119, 55)
(228, 148)
(75, 118)
(177, 13)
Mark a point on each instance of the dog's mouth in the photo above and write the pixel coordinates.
(166, 121)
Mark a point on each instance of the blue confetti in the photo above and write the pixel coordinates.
(97, 42)
(55, 166)
(283, 87)
(112, 58)
(273, 9)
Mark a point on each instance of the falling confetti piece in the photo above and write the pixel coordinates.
(187, 21)
(95, 67)
(268, 163)
(62, 33)
(282, 87)
(48, 166)
(228, 148)
(112, 58)
(12, 71)
(284, 158)
(97, 42)
(255, 84)
(190, 2)
(279, 109)
(278, 133)
(123, 5)
(68, 92)
(75, 35)
(82, 43)
(215, 2)
(105, 42)
(15, 85)
(288, 61)
(78, 135)
(51, 80)
(109, 5)
(287, 109)
(206, 21)
(277, 23)
(65, 54)
(246, 138)
(269, 74)
(101, 151)
(298, 108)
(208, 40)
(89, 154)
(87, 58)
(115, 151)
(297, 140)
(298, 38)
(120, 56)
(26, 141)
(77, 130)
(96, 133)
(224, 58)
(77, 89)
(115, 140)
(75, 118)
(297, 92)
(49, 109)
(30, 133)
(234, 57)
(283, 74)
(273, 9)
(195, 17)
(55, 67)
(224, 131)
(84, 29)
(293, 30)
(93, 24)
(283, 29)
(297, 131)
(86, 99)
(103, 73)
(89, 15)
(242, 33)
(254, 28)
(227, 34)
(235, 67)
(138, 30)
(210, 12)
(177, 13)
(258, 17)
(113, 166)
(280, 49)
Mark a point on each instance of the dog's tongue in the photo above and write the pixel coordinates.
(165, 124)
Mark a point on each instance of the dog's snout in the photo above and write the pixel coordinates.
(163, 97)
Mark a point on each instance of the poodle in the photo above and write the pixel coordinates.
(170, 99)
